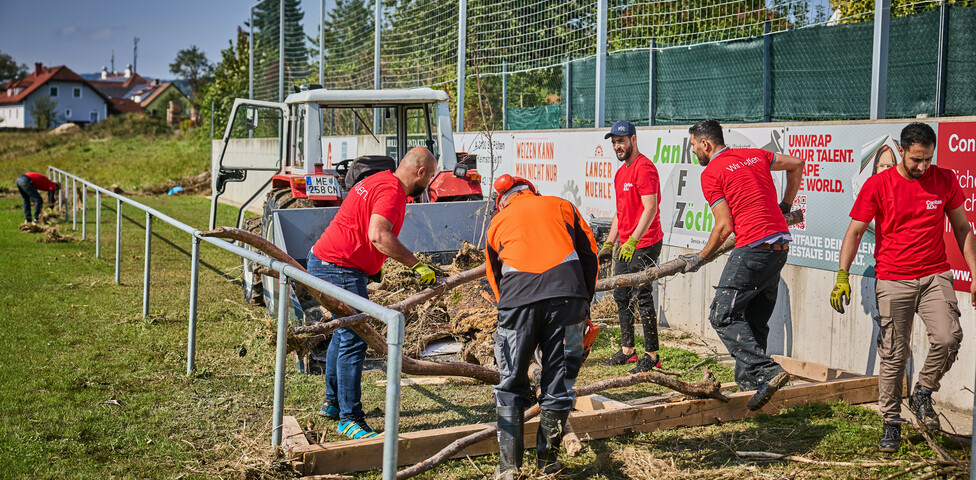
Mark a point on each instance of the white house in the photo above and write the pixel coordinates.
(77, 100)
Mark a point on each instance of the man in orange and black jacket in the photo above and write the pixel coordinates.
(542, 266)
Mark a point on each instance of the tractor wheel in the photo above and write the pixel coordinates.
(279, 198)
(253, 286)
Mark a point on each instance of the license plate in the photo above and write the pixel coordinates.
(325, 186)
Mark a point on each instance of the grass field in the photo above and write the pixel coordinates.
(90, 389)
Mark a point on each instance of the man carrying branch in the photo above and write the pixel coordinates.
(542, 266)
(739, 188)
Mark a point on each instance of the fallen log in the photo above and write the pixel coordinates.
(708, 387)
(675, 266)
(361, 327)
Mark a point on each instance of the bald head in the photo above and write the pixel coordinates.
(416, 169)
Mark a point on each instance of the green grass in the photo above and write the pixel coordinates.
(90, 389)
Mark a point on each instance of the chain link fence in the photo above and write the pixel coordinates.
(533, 64)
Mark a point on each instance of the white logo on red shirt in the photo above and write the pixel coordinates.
(932, 204)
(627, 186)
(361, 190)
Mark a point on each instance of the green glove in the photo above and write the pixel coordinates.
(427, 276)
(627, 250)
(841, 295)
(606, 251)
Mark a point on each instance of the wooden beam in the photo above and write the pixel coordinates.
(292, 435)
(812, 371)
(439, 380)
(360, 455)
(588, 403)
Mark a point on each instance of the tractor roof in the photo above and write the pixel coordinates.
(391, 96)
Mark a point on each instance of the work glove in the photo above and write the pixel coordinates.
(605, 252)
(427, 276)
(627, 250)
(841, 294)
(693, 262)
(785, 207)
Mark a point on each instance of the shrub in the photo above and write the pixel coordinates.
(130, 125)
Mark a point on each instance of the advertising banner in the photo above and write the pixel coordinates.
(957, 150)
(580, 166)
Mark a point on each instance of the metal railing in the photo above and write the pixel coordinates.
(393, 319)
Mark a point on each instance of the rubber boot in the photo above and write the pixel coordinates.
(551, 427)
(511, 444)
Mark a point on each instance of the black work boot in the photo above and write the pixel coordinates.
(551, 426)
(511, 444)
(921, 404)
(766, 390)
(890, 437)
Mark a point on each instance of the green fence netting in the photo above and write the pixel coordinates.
(535, 118)
(816, 73)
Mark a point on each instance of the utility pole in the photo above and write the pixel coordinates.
(135, 48)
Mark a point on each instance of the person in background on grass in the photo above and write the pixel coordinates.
(637, 224)
(354, 246)
(28, 184)
(909, 205)
(738, 185)
(542, 267)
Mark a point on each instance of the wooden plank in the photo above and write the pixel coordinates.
(360, 455)
(292, 436)
(812, 370)
(588, 403)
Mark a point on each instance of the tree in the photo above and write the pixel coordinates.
(192, 65)
(268, 48)
(44, 111)
(229, 81)
(863, 10)
(9, 70)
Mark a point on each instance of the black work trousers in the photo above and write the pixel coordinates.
(744, 301)
(637, 301)
(556, 326)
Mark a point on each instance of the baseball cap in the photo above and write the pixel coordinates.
(622, 127)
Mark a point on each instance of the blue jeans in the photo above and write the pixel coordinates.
(347, 352)
(744, 301)
(29, 193)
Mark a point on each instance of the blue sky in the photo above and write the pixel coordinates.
(82, 33)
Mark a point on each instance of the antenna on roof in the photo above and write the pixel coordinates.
(135, 46)
(113, 61)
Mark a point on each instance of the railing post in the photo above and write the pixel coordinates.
(879, 64)
(191, 336)
(279, 382)
(599, 105)
(58, 176)
(145, 275)
(394, 359)
(84, 211)
(118, 239)
(74, 204)
(98, 224)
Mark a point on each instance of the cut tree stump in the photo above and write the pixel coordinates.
(595, 417)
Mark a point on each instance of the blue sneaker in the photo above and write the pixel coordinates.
(356, 428)
(329, 410)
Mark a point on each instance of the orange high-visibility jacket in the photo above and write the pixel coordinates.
(538, 248)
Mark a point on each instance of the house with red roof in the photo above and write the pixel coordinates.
(77, 100)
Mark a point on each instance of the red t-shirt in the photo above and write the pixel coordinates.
(345, 241)
(741, 176)
(631, 182)
(909, 216)
(41, 182)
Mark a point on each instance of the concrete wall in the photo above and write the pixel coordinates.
(804, 326)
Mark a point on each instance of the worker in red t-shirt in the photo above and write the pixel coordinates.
(909, 205)
(353, 246)
(637, 224)
(28, 184)
(738, 186)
